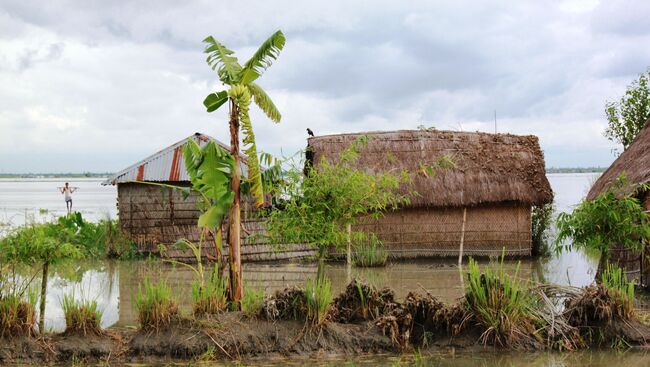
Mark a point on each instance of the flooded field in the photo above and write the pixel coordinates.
(114, 284)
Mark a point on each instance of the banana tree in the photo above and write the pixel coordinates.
(241, 89)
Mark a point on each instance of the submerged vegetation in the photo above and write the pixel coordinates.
(369, 253)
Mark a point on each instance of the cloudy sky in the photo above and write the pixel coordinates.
(98, 85)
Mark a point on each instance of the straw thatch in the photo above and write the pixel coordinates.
(489, 168)
(634, 162)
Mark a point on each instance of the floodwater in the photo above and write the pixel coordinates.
(114, 284)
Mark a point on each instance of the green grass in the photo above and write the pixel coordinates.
(209, 298)
(369, 254)
(501, 304)
(81, 316)
(155, 305)
(252, 302)
(17, 314)
(319, 298)
(620, 289)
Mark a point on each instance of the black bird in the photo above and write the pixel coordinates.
(311, 133)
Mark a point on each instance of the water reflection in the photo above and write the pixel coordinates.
(114, 284)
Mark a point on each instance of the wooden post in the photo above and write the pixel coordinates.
(41, 316)
(349, 250)
(462, 238)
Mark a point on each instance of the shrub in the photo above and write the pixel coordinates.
(369, 253)
(318, 296)
(252, 302)
(155, 305)
(17, 314)
(501, 304)
(81, 316)
(210, 298)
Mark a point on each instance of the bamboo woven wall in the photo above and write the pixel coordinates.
(425, 232)
(152, 215)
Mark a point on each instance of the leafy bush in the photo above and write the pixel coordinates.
(501, 304)
(369, 253)
(318, 296)
(155, 305)
(81, 316)
(610, 219)
(252, 302)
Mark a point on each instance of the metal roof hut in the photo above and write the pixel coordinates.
(152, 215)
(634, 162)
(496, 180)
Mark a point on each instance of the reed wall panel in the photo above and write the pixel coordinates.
(424, 232)
(153, 215)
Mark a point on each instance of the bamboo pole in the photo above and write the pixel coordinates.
(462, 238)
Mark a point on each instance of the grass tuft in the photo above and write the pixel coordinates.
(501, 304)
(155, 305)
(369, 254)
(620, 290)
(17, 315)
(252, 302)
(81, 316)
(210, 298)
(318, 296)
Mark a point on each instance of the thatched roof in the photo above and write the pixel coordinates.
(634, 161)
(489, 168)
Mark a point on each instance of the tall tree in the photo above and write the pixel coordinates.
(626, 117)
(241, 88)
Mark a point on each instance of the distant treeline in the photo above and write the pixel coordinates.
(55, 175)
(574, 169)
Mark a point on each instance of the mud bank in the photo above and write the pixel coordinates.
(362, 320)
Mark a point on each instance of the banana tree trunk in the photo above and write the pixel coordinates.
(234, 219)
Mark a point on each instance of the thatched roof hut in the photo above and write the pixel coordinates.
(496, 177)
(634, 162)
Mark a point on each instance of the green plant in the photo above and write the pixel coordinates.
(369, 253)
(210, 298)
(542, 222)
(318, 295)
(252, 302)
(627, 117)
(501, 304)
(17, 314)
(620, 289)
(610, 219)
(41, 245)
(155, 305)
(81, 316)
(240, 80)
(322, 206)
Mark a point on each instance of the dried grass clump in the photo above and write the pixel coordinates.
(155, 305)
(361, 302)
(287, 304)
(17, 316)
(81, 316)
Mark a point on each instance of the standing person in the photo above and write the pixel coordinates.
(67, 192)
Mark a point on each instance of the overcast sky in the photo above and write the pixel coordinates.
(99, 85)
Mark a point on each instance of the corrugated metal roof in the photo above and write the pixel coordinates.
(165, 165)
